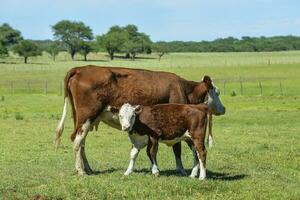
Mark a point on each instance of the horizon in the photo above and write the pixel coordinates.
(163, 20)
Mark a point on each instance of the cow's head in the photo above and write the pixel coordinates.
(207, 92)
(127, 116)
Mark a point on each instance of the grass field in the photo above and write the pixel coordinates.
(256, 152)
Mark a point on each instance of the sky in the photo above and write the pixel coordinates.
(163, 20)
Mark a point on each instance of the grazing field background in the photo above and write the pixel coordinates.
(256, 152)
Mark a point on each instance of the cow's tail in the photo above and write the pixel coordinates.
(61, 124)
(210, 137)
(67, 95)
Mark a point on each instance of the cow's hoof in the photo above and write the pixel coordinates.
(82, 173)
(127, 173)
(156, 174)
(183, 173)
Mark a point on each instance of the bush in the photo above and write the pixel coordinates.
(233, 93)
(19, 116)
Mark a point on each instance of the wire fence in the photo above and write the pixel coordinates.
(227, 87)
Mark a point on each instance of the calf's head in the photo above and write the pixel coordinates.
(127, 116)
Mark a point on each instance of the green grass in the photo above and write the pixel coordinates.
(256, 144)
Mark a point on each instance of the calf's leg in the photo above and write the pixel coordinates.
(201, 152)
(177, 153)
(152, 152)
(138, 142)
(133, 155)
(196, 160)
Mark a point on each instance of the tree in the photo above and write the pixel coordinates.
(85, 49)
(3, 51)
(53, 49)
(113, 40)
(137, 42)
(161, 48)
(8, 37)
(27, 48)
(72, 34)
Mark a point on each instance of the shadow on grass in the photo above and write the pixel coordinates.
(225, 176)
(210, 174)
(107, 171)
(92, 60)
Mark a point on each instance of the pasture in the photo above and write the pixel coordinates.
(256, 152)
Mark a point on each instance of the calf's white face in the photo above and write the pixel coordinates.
(127, 115)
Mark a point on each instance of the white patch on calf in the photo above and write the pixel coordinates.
(202, 175)
(185, 136)
(196, 164)
(133, 155)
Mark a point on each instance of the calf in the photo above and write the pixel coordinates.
(169, 124)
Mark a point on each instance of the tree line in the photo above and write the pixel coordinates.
(77, 38)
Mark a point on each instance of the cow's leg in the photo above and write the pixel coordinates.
(201, 152)
(196, 161)
(78, 147)
(152, 152)
(86, 165)
(177, 153)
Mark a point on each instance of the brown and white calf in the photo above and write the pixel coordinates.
(169, 124)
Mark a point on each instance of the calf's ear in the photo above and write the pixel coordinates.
(137, 109)
(113, 109)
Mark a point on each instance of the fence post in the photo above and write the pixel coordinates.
(28, 86)
(260, 86)
(61, 88)
(12, 87)
(241, 83)
(224, 87)
(46, 87)
(281, 92)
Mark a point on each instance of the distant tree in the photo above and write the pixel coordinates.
(72, 34)
(161, 48)
(8, 37)
(136, 42)
(113, 41)
(53, 49)
(85, 49)
(3, 51)
(27, 48)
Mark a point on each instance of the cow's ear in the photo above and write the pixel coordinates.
(206, 79)
(137, 109)
(113, 109)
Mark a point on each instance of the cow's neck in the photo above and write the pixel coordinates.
(193, 96)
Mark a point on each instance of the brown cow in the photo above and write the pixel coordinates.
(169, 124)
(91, 89)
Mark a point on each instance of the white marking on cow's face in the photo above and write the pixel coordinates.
(214, 102)
(127, 115)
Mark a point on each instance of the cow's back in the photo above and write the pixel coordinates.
(117, 86)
